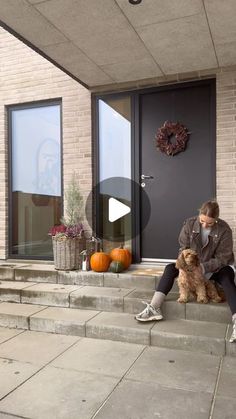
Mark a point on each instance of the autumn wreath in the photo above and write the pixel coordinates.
(164, 135)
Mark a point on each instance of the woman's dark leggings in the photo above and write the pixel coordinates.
(225, 277)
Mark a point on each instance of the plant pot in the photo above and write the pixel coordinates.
(66, 252)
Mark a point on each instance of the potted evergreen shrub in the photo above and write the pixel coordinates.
(68, 238)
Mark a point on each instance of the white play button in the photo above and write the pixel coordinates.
(116, 210)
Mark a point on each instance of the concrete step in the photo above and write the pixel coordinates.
(196, 336)
(99, 298)
(108, 299)
(171, 309)
(131, 278)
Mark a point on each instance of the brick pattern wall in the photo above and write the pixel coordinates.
(25, 76)
(226, 147)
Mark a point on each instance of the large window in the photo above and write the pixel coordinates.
(35, 178)
(114, 161)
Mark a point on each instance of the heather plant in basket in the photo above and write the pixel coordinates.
(62, 231)
(68, 238)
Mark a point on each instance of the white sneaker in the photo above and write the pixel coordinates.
(233, 336)
(149, 313)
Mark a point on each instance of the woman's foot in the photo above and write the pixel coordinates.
(149, 313)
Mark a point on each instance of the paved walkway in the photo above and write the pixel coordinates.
(48, 376)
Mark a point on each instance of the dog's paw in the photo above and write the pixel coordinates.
(216, 299)
(182, 300)
(202, 300)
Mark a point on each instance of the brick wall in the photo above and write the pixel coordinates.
(26, 77)
(226, 146)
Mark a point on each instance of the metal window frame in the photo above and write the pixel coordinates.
(135, 198)
(10, 109)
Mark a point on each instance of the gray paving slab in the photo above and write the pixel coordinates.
(48, 294)
(59, 393)
(81, 278)
(14, 373)
(36, 273)
(11, 290)
(7, 416)
(227, 379)
(219, 313)
(119, 326)
(6, 333)
(190, 335)
(17, 315)
(148, 400)
(161, 383)
(61, 320)
(99, 298)
(177, 369)
(224, 408)
(36, 347)
(230, 347)
(100, 357)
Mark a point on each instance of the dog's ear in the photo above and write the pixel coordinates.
(180, 262)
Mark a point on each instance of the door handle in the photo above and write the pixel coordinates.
(143, 177)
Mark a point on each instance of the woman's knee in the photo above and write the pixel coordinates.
(167, 279)
(171, 270)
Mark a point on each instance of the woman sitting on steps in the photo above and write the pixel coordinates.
(211, 238)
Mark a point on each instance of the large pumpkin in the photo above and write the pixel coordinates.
(122, 255)
(100, 262)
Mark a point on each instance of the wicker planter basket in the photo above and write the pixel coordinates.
(66, 252)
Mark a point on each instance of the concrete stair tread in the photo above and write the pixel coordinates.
(111, 299)
(15, 285)
(53, 288)
(100, 298)
(132, 278)
(20, 309)
(179, 334)
(191, 328)
(199, 336)
(103, 291)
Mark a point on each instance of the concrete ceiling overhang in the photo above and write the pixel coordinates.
(106, 43)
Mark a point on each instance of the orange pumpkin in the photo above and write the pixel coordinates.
(122, 255)
(100, 262)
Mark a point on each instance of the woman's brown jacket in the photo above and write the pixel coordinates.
(218, 251)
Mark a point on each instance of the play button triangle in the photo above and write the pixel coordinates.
(116, 209)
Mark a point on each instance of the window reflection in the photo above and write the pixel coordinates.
(114, 161)
(36, 178)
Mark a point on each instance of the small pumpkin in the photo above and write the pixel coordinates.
(121, 255)
(100, 262)
(116, 266)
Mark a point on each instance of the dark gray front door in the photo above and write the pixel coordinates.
(180, 183)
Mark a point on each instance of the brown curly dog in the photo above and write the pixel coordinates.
(192, 281)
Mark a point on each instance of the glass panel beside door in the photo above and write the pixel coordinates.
(114, 162)
(35, 174)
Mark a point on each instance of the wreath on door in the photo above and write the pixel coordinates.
(164, 134)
